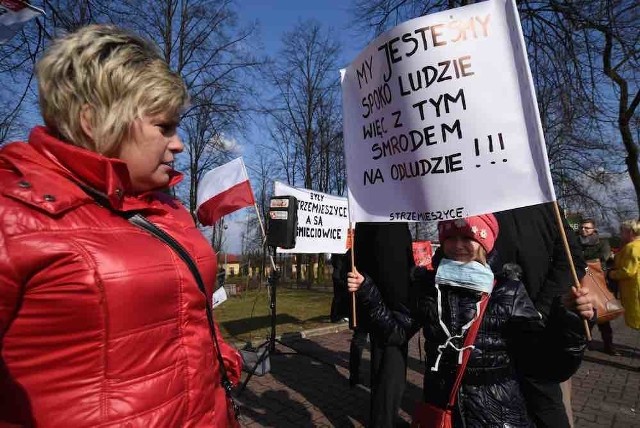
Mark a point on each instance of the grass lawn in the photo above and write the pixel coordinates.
(246, 317)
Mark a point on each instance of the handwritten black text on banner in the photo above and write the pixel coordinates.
(323, 221)
(440, 119)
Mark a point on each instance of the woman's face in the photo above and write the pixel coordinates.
(150, 150)
(461, 249)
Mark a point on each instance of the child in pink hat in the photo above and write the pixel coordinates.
(446, 303)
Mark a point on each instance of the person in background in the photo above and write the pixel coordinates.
(384, 251)
(511, 330)
(341, 310)
(626, 272)
(359, 341)
(529, 237)
(340, 300)
(594, 248)
(102, 323)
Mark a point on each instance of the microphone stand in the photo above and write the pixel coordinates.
(270, 343)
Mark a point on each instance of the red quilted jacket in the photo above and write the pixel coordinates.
(101, 324)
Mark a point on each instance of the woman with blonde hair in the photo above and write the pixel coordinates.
(105, 281)
(626, 272)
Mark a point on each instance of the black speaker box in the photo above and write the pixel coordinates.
(283, 221)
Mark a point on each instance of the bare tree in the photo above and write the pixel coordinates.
(17, 59)
(306, 123)
(607, 39)
(16, 68)
(253, 240)
(330, 172)
(286, 153)
(305, 78)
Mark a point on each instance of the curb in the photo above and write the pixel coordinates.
(290, 337)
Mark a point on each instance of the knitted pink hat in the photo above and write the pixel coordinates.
(481, 228)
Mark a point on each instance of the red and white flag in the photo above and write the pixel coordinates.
(13, 15)
(222, 191)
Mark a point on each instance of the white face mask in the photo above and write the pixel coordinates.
(471, 275)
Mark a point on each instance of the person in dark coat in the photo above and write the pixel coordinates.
(511, 332)
(529, 236)
(594, 248)
(340, 301)
(341, 309)
(384, 251)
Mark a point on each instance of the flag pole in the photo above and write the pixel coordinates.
(567, 252)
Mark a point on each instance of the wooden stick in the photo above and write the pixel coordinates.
(353, 267)
(567, 251)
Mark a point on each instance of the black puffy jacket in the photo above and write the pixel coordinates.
(512, 333)
(529, 236)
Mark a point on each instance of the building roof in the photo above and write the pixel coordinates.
(230, 258)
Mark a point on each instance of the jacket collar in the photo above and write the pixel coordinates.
(108, 177)
(589, 241)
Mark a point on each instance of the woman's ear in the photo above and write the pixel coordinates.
(86, 120)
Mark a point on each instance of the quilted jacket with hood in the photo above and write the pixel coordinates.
(101, 324)
(512, 333)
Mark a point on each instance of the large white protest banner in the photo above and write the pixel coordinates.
(441, 120)
(323, 221)
(13, 15)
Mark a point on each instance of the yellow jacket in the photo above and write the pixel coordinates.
(627, 273)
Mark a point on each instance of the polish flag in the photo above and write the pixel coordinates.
(222, 191)
(13, 15)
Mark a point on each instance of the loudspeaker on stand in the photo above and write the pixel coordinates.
(283, 221)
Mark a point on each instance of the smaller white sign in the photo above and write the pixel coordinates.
(323, 221)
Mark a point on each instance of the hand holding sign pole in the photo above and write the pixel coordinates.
(567, 252)
(441, 120)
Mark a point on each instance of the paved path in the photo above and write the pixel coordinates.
(301, 391)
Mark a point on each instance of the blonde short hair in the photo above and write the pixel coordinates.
(118, 76)
(632, 226)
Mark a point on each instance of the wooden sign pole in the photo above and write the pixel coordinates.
(567, 251)
(353, 267)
